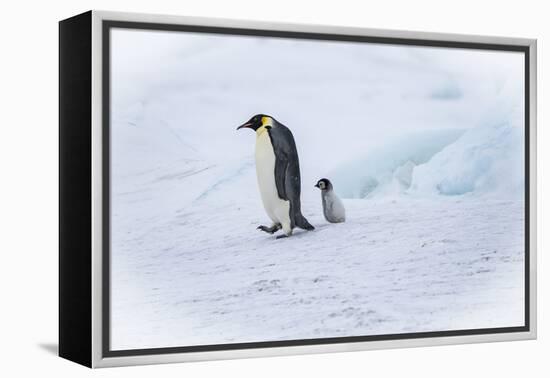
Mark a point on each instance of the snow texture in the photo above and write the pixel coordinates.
(206, 276)
(424, 146)
(485, 159)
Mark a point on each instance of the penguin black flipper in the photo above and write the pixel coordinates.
(281, 167)
(287, 172)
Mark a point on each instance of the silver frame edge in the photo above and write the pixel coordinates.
(97, 190)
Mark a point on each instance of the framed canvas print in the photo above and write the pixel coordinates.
(237, 189)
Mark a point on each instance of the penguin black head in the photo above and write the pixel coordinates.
(258, 121)
(324, 184)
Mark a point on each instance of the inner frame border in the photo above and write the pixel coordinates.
(107, 25)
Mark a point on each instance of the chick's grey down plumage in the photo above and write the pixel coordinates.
(333, 208)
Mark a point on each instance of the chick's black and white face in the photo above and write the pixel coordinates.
(323, 184)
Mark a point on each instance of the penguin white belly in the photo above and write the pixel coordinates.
(277, 209)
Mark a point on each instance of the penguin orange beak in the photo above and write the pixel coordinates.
(244, 125)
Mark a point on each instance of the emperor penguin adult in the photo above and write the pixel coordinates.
(333, 208)
(278, 173)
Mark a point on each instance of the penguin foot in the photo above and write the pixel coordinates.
(270, 230)
(286, 233)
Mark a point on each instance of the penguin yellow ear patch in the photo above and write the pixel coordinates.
(267, 121)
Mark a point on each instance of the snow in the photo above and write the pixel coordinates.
(205, 275)
(480, 160)
(387, 169)
(485, 159)
(424, 146)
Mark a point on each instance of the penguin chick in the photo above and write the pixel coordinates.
(333, 208)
